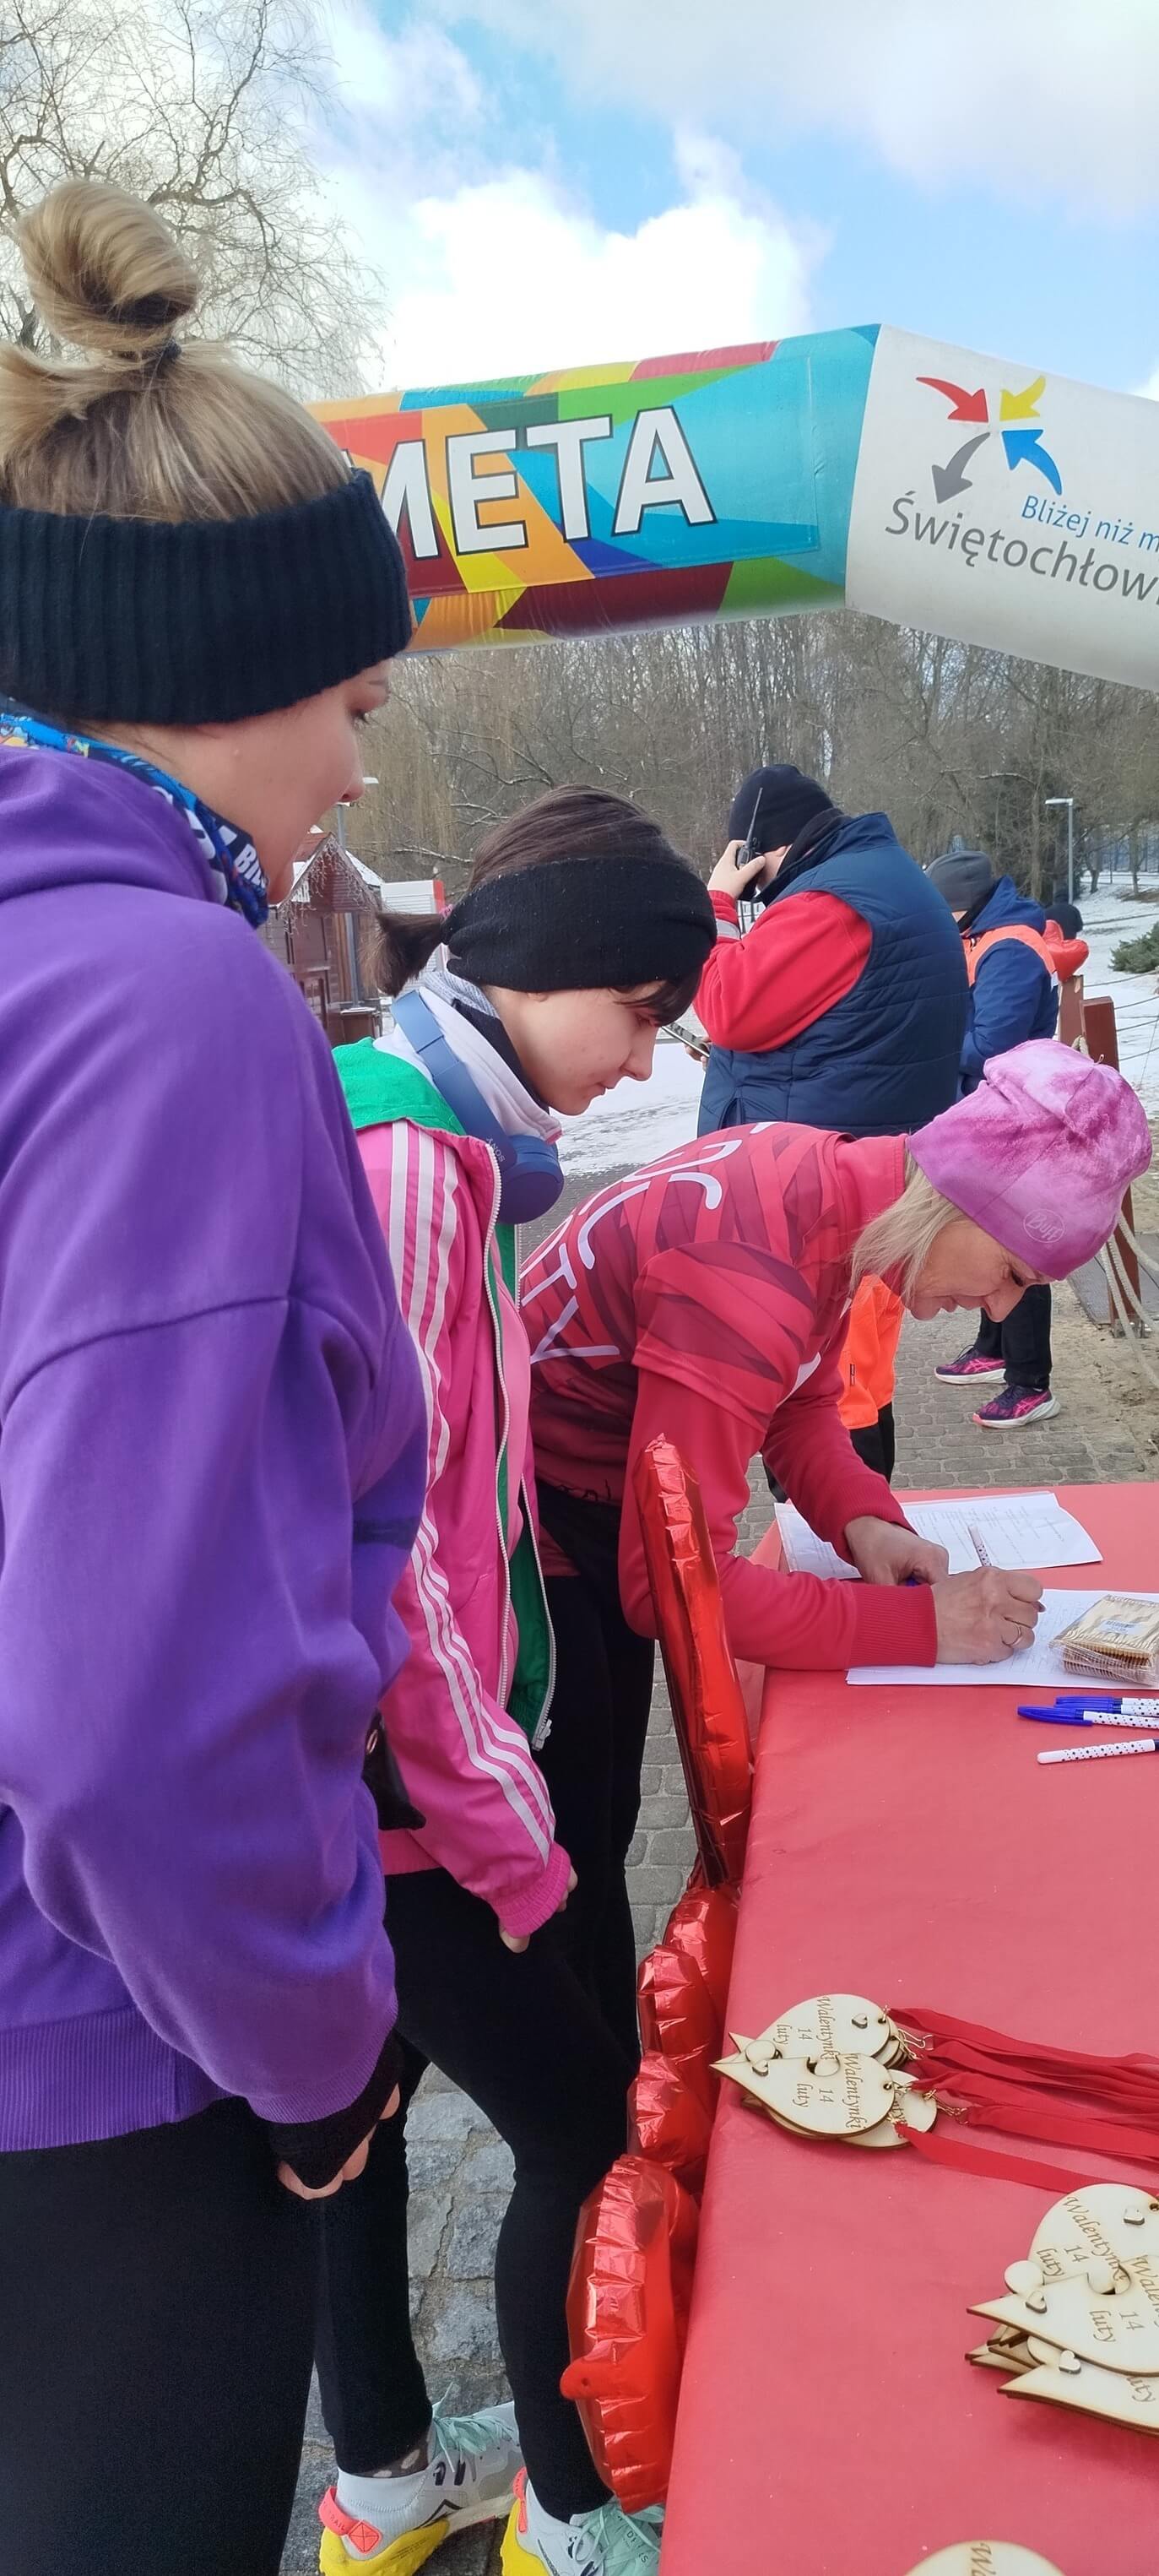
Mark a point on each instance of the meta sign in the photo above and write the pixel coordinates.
(866, 468)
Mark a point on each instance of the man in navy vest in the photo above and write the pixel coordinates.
(844, 1007)
(1013, 996)
(846, 1004)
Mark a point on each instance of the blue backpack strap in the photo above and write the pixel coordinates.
(530, 1179)
(418, 1024)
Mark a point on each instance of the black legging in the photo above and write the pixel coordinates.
(592, 1762)
(1021, 1341)
(157, 2319)
(518, 2034)
(595, 1752)
(876, 1443)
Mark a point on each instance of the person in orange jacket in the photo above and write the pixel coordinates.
(868, 1367)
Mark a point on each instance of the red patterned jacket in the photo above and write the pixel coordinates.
(706, 1298)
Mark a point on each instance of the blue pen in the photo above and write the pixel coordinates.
(1088, 1717)
(1094, 1699)
(1116, 1703)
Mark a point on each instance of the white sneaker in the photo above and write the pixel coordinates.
(390, 2526)
(608, 2542)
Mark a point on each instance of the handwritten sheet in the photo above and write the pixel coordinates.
(1030, 1531)
(1038, 1666)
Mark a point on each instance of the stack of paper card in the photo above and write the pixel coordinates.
(1079, 2323)
(832, 2068)
(985, 2558)
(1117, 1640)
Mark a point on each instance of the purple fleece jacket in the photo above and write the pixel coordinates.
(211, 1460)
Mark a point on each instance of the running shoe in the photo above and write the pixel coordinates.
(971, 1364)
(1016, 1405)
(608, 2542)
(469, 2477)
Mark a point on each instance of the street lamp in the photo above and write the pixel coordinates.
(340, 812)
(1068, 801)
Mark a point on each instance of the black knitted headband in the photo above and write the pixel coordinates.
(202, 621)
(571, 925)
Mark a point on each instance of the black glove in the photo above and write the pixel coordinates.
(316, 2150)
(385, 1783)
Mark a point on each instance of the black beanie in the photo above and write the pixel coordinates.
(575, 925)
(782, 800)
(197, 621)
(963, 877)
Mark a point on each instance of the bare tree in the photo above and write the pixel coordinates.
(952, 740)
(205, 112)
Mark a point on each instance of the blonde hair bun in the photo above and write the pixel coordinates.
(105, 272)
(114, 433)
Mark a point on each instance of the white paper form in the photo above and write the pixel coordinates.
(805, 1553)
(1038, 1666)
(1018, 1531)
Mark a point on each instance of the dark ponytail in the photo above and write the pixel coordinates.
(407, 941)
(566, 823)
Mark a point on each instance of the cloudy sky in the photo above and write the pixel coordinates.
(553, 182)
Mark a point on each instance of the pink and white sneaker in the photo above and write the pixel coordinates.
(1015, 1406)
(969, 1364)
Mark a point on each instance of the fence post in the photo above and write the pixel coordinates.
(1103, 1048)
(1070, 1010)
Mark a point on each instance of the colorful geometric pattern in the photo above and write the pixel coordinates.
(715, 483)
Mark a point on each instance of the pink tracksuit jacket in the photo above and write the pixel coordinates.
(468, 1768)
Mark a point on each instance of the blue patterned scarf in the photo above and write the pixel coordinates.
(238, 877)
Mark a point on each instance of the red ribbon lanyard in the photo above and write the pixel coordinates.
(1058, 2095)
(939, 2148)
(1129, 2083)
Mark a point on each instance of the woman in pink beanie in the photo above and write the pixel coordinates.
(706, 1299)
(1032, 1165)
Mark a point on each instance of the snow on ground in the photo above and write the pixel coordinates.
(638, 1120)
(1106, 921)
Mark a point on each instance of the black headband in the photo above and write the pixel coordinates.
(572, 925)
(199, 621)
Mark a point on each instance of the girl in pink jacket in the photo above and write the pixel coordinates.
(581, 932)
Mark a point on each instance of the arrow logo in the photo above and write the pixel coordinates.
(950, 478)
(1024, 447)
(1023, 406)
(963, 405)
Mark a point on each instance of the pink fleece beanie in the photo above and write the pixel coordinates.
(1040, 1154)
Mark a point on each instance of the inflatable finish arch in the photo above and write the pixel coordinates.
(865, 468)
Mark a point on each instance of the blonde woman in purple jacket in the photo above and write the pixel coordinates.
(212, 1446)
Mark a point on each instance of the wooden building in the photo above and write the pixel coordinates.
(324, 933)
